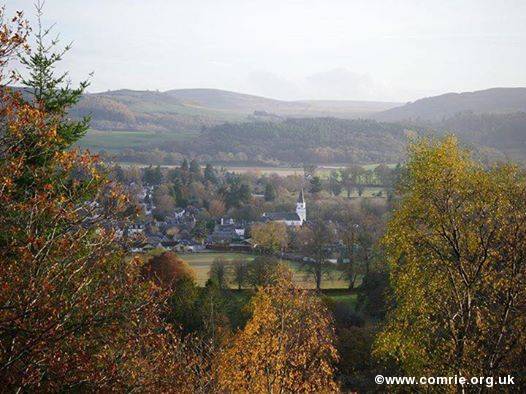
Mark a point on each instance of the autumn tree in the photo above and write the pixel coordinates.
(166, 269)
(315, 240)
(287, 345)
(271, 237)
(456, 248)
(72, 308)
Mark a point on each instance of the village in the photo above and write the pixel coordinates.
(177, 231)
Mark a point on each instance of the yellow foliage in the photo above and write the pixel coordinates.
(287, 346)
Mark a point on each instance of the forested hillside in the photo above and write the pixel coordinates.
(320, 140)
(291, 141)
(495, 101)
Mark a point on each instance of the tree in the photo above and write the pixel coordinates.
(219, 272)
(235, 192)
(270, 237)
(314, 240)
(262, 271)
(152, 176)
(184, 166)
(72, 307)
(210, 174)
(270, 192)
(240, 272)
(456, 248)
(350, 177)
(216, 208)
(315, 185)
(335, 183)
(348, 235)
(53, 93)
(195, 170)
(164, 202)
(167, 269)
(287, 345)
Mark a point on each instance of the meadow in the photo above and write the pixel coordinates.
(98, 140)
(201, 262)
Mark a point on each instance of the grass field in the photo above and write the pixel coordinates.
(201, 262)
(118, 140)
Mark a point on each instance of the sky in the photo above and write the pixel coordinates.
(382, 50)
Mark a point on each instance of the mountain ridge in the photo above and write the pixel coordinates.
(436, 108)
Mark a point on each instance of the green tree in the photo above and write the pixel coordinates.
(456, 248)
(210, 173)
(316, 185)
(335, 183)
(195, 170)
(270, 192)
(239, 272)
(219, 272)
(152, 176)
(314, 240)
(52, 91)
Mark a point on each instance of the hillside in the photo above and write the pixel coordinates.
(291, 141)
(222, 100)
(191, 109)
(490, 101)
(222, 126)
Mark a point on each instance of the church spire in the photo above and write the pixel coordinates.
(301, 199)
(301, 207)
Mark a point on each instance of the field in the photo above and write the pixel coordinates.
(201, 262)
(118, 140)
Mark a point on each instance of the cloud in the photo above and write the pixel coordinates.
(272, 85)
(335, 84)
(340, 83)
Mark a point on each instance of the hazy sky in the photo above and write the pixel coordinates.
(392, 50)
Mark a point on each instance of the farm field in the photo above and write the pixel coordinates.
(201, 262)
(118, 140)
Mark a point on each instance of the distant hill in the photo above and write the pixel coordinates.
(290, 141)
(191, 109)
(222, 126)
(438, 108)
(222, 100)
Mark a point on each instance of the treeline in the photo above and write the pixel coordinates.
(499, 136)
(292, 141)
(319, 140)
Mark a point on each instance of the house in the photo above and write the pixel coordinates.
(290, 218)
(226, 233)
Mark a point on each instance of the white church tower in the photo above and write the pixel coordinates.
(301, 207)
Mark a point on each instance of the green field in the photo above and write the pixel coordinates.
(118, 140)
(201, 262)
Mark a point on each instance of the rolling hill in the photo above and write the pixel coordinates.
(191, 109)
(224, 126)
(437, 108)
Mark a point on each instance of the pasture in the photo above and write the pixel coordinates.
(201, 262)
(97, 140)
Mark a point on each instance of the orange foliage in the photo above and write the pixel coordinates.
(166, 269)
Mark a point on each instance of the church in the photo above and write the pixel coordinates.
(290, 218)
